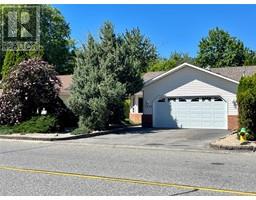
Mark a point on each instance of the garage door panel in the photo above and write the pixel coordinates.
(206, 124)
(206, 116)
(163, 109)
(187, 114)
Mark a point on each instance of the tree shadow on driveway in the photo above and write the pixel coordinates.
(141, 130)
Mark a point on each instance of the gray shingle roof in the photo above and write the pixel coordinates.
(150, 75)
(67, 80)
(235, 73)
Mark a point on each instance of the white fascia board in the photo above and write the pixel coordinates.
(188, 65)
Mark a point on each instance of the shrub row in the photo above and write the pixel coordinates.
(246, 98)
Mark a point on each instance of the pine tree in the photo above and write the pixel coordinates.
(116, 57)
(141, 51)
(94, 89)
(106, 73)
(9, 62)
(123, 58)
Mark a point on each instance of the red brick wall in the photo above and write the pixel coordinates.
(135, 118)
(233, 122)
(147, 120)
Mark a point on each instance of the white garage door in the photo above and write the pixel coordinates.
(190, 112)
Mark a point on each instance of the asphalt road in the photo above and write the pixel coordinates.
(66, 168)
(158, 138)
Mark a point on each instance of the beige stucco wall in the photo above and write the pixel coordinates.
(191, 82)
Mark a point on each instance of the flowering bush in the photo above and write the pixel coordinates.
(10, 110)
(31, 87)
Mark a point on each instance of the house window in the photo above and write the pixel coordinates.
(195, 99)
(161, 100)
(206, 98)
(182, 100)
(170, 99)
(218, 99)
(140, 105)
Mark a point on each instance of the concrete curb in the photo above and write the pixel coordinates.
(231, 147)
(141, 147)
(70, 137)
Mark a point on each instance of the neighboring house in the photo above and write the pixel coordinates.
(66, 81)
(188, 96)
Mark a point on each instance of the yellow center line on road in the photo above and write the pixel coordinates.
(127, 180)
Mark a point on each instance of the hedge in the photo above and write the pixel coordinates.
(246, 98)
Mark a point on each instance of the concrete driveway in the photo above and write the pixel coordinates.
(160, 138)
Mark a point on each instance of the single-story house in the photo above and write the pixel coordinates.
(188, 96)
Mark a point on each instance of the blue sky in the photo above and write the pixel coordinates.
(170, 27)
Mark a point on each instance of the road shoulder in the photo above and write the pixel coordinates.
(230, 142)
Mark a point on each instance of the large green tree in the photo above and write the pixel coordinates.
(95, 89)
(220, 49)
(106, 72)
(250, 57)
(122, 58)
(174, 60)
(142, 52)
(54, 39)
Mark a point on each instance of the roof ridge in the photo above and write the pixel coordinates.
(230, 67)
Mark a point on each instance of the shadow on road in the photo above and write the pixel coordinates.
(140, 130)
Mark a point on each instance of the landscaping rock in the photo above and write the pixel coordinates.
(231, 142)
